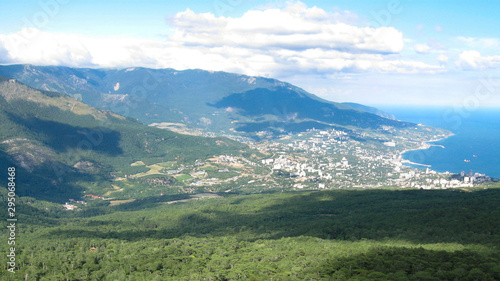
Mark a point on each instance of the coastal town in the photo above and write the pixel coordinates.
(311, 160)
(334, 159)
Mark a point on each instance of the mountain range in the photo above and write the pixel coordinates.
(212, 101)
(70, 130)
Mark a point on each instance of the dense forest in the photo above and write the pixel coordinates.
(327, 235)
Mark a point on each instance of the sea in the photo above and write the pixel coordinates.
(474, 146)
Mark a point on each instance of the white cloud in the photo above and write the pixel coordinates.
(436, 45)
(44, 48)
(421, 48)
(272, 42)
(442, 58)
(432, 46)
(479, 43)
(294, 27)
(4, 54)
(474, 60)
(324, 62)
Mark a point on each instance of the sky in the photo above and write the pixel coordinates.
(389, 52)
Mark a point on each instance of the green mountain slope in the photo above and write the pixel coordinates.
(61, 146)
(298, 109)
(215, 101)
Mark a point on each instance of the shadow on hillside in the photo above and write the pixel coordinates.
(416, 216)
(290, 104)
(395, 263)
(50, 181)
(67, 138)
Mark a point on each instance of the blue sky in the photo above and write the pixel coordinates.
(404, 52)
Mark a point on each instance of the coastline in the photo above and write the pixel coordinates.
(404, 161)
(423, 146)
(477, 135)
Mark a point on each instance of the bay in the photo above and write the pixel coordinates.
(474, 146)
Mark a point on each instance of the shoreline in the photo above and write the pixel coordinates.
(426, 145)
(423, 146)
(416, 164)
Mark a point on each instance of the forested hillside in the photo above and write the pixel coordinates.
(62, 146)
(329, 235)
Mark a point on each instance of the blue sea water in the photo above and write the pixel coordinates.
(476, 139)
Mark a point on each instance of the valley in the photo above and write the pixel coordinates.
(313, 192)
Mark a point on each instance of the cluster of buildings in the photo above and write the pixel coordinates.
(71, 204)
(334, 159)
(472, 178)
(94, 196)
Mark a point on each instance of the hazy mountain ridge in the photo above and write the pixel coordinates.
(370, 109)
(298, 108)
(215, 101)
